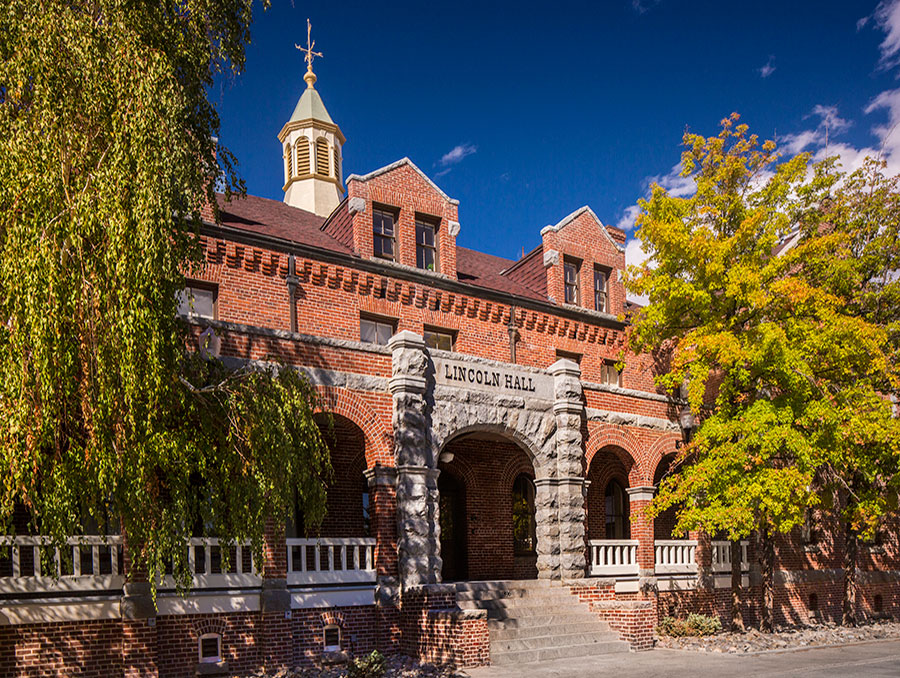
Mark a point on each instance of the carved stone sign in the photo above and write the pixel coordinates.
(470, 374)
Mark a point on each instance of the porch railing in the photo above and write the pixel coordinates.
(675, 556)
(207, 565)
(331, 560)
(721, 556)
(611, 557)
(33, 565)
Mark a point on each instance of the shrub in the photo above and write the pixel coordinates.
(694, 625)
(371, 666)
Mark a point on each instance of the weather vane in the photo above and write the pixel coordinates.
(310, 54)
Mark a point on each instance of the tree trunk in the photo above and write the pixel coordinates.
(767, 567)
(851, 551)
(737, 617)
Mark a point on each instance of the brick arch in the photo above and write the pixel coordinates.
(379, 441)
(664, 446)
(622, 443)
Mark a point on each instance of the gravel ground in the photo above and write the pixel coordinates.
(792, 638)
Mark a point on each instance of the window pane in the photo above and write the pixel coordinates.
(204, 303)
(385, 332)
(367, 331)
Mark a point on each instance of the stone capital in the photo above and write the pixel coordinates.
(406, 339)
(426, 471)
(551, 258)
(406, 383)
(565, 368)
(568, 407)
(381, 476)
(453, 228)
(355, 205)
(641, 493)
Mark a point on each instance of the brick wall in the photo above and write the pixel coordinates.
(87, 649)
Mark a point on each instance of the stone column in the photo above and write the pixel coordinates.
(418, 530)
(642, 530)
(568, 481)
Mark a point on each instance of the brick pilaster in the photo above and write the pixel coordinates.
(276, 629)
(383, 497)
(642, 529)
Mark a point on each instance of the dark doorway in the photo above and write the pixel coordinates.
(453, 528)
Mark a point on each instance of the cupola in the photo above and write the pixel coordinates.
(311, 149)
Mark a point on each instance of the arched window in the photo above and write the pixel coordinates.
(302, 156)
(336, 162)
(617, 524)
(289, 159)
(524, 538)
(322, 156)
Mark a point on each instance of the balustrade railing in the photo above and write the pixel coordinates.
(330, 560)
(34, 565)
(208, 567)
(612, 557)
(675, 556)
(721, 556)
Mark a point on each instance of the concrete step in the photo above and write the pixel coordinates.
(501, 633)
(526, 611)
(546, 621)
(554, 640)
(514, 594)
(562, 652)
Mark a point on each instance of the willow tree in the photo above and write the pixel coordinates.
(107, 154)
(776, 367)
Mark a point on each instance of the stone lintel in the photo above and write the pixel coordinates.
(641, 493)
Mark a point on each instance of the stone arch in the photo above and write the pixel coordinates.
(532, 430)
(664, 446)
(379, 441)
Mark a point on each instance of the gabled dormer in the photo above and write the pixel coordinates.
(584, 261)
(399, 215)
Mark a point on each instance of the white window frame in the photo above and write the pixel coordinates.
(209, 660)
(331, 648)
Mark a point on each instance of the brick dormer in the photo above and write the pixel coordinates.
(403, 193)
(582, 242)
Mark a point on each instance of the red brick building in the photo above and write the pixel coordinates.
(485, 431)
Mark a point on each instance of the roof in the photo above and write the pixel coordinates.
(400, 163)
(311, 106)
(483, 270)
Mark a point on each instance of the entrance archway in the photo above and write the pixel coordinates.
(487, 495)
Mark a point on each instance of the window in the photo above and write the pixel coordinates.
(210, 648)
(809, 531)
(383, 230)
(198, 301)
(426, 252)
(570, 275)
(332, 638)
(524, 538)
(617, 525)
(601, 289)
(442, 340)
(568, 355)
(302, 156)
(336, 162)
(289, 159)
(322, 156)
(609, 374)
(376, 330)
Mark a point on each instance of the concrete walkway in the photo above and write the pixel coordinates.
(872, 660)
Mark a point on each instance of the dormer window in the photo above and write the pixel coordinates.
(383, 230)
(601, 289)
(426, 251)
(570, 277)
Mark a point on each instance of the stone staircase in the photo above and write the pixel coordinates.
(535, 620)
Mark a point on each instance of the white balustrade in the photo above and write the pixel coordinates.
(611, 557)
(330, 560)
(34, 565)
(721, 556)
(206, 563)
(675, 556)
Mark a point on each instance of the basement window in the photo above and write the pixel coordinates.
(210, 648)
(332, 638)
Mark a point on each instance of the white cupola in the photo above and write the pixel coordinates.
(311, 145)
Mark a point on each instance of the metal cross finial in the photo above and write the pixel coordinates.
(308, 50)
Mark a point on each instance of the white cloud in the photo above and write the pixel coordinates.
(887, 18)
(626, 221)
(635, 256)
(768, 68)
(641, 6)
(457, 153)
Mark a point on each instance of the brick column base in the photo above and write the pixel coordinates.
(139, 649)
(276, 641)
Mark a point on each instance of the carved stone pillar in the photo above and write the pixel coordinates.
(567, 482)
(418, 530)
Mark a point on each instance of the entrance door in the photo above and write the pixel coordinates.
(453, 527)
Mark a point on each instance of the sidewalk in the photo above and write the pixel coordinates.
(872, 660)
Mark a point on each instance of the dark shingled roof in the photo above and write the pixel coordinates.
(275, 219)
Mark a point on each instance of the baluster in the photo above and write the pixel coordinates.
(191, 565)
(95, 559)
(330, 558)
(239, 559)
(317, 558)
(76, 560)
(14, 551)
(344, 558)
(303, 557)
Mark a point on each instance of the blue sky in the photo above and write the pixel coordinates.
(527, 111)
